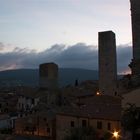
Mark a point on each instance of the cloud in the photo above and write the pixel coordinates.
(124, 56)
(79, 55)
(1, 46)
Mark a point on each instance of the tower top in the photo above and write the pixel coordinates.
(109, 31)
(47, 64)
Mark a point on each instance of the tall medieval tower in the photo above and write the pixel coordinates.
(107, 63)
(135, 64)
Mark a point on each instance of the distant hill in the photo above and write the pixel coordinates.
(30, 77)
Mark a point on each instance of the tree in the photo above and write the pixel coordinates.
(130, 119)
(107, 136)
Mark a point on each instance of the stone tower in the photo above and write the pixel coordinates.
(107, 63)
(48, 76)
(135, 64)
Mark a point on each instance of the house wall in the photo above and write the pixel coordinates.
(114, 126)
(132, 97)
(33, 125)
(63, 125)
(24, 102)
(4, 124)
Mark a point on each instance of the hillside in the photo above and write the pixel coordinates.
(30, 77)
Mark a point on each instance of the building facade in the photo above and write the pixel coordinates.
(26, 103)
(103, 114)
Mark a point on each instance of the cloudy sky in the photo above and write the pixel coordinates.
(64, 31)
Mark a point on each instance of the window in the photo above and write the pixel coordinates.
(33, 101)
(34, 128)
(27, 128)
(99, 125)
(48, 130)
(45, 119)
(72, 123)
(19, 105)
(22, 106)
(27, 107)
(47, 124)
(109, 126)
(6, 110)
(84, 123)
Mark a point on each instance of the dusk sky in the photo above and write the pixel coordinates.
(45, 30)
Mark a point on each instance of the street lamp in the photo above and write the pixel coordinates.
(115, 134)
(97, 93)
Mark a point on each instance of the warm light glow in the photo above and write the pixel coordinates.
(98, 93)
(125, 72)
(115, 134)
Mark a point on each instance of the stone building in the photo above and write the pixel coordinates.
(37, 124)
(8, 102)
(28, 98)
(102, 113)
(107, 63)
(48, 76)
(131, 97)
(5, 121)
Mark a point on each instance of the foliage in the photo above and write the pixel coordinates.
(107, 136)
(130, 117)
(6, 131)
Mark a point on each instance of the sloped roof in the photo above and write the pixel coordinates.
(132, 97)
(4, 117)
(31, 92)
(99, 108)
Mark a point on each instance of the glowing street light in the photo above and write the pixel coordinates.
(115, 134)
(97, 93)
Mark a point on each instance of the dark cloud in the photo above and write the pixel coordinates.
(124, 56)
(76, 56)
(79, 56)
